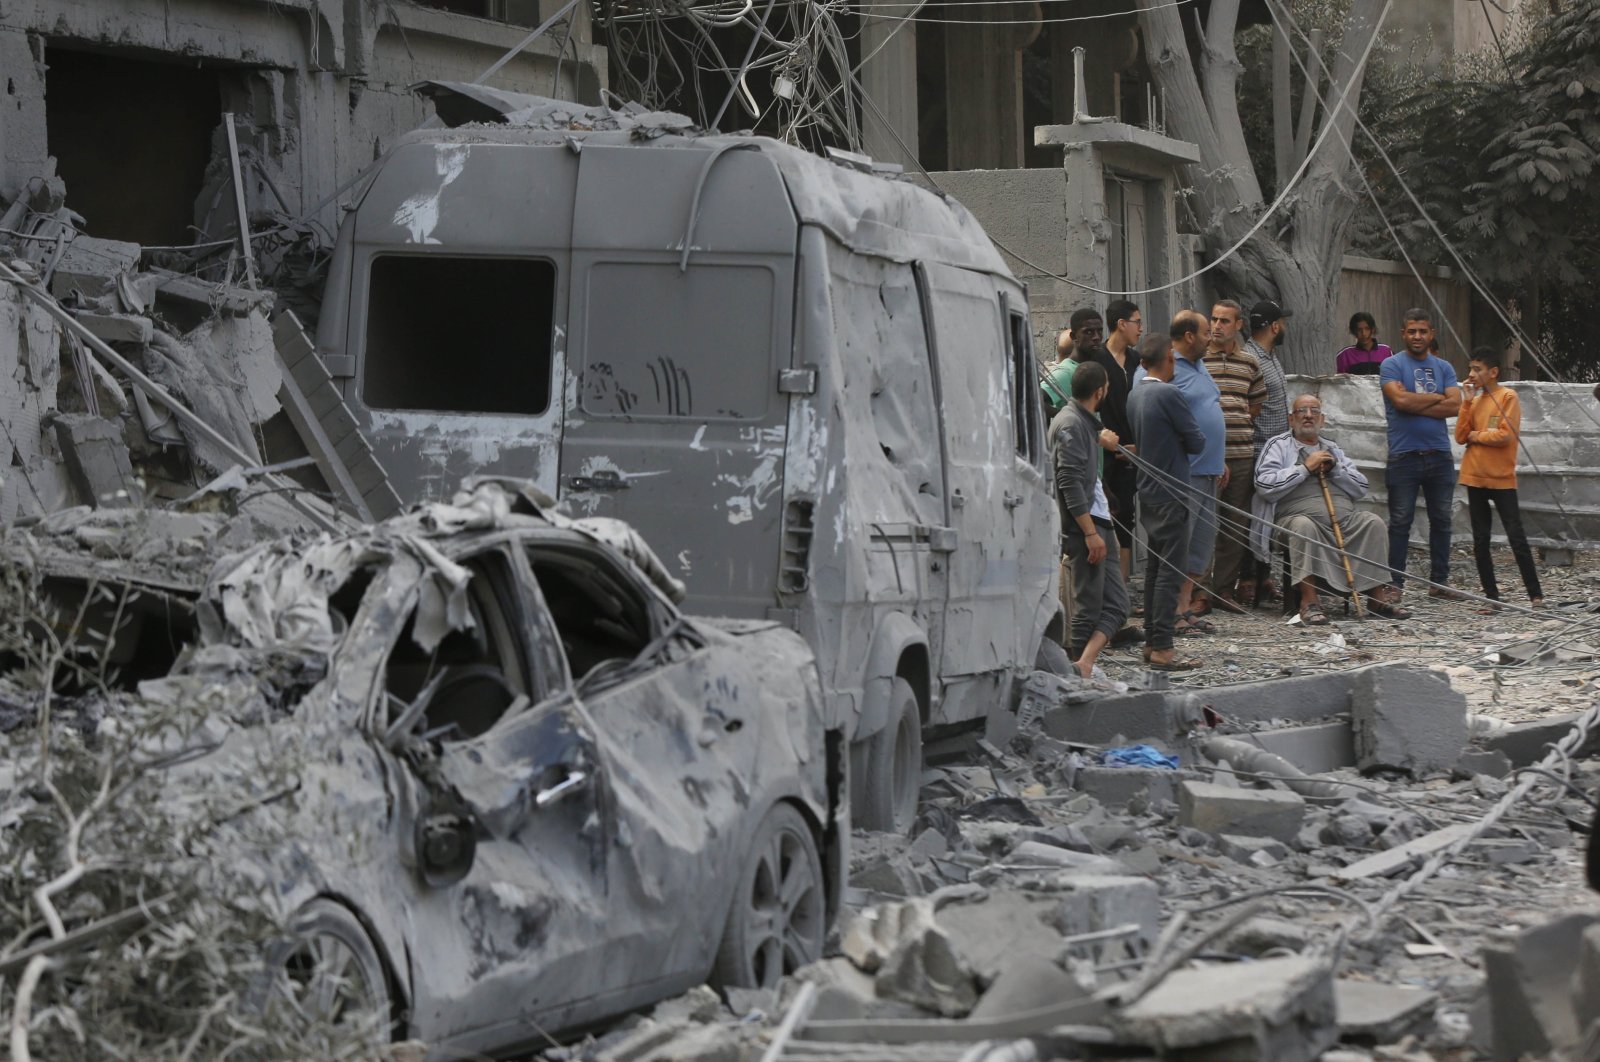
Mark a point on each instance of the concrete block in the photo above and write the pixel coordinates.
(97, 460)
(1093, 905)
(1253, 851)
(1276, 1010)
(993, 932)
(1373, 1013)
(1117, 786)
(1528, 977)
(1027, 984)
(1407, 719)
(1218, 810)
(91, 266)
(1525, 743)
(1130, 716)
(1315, 749)
(1492, 762)
(1264, 933)
(117, 327)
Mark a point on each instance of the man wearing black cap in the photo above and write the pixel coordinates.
(1267, 331)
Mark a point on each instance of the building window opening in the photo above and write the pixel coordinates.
(459, 335)
(132, 140)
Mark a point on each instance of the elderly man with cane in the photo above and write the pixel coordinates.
(1306, 486)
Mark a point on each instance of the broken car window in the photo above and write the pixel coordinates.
(599, 616)
(664, 343)
(474, 675)
(460, 335)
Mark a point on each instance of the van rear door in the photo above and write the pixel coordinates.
(674, 420)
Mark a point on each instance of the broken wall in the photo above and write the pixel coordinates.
(1558, 465)
(321, 86)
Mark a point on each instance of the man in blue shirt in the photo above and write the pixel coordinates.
(1208, 469)
(1419, 395)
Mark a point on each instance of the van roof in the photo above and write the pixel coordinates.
(869, 212)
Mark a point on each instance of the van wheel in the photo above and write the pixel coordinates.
(779, 918)
(1054, 659)
(891, 767)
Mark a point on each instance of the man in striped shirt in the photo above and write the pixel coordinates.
(1239, 379)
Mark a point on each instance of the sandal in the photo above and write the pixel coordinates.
(1270, 593)
(1175, 664)
(1313, 616)
(1191, 621)
(1387, 609)
(1246, 594)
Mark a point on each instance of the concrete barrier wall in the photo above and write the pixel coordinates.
(1558, 469)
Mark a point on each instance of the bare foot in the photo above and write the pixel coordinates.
(1085, 668)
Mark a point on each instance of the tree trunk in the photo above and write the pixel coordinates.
(1296, 257)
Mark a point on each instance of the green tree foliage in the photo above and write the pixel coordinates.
(1503, 157)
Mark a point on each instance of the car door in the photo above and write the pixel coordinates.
(503, 820)
(679, 725)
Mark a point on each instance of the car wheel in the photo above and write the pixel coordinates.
(779, 917)
(329, 976)
(891, 770)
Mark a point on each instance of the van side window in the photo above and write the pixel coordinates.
(664, 343)
(1028, 415)
(454, 334)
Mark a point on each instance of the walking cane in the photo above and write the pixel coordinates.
(1338, 538)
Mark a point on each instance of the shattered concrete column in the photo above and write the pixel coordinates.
(889, 77)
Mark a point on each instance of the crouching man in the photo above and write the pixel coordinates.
(1290, 509)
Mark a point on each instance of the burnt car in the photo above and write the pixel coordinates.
(530, 793)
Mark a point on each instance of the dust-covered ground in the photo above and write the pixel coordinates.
(1551, 667)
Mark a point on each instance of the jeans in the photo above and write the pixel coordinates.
(1202, 526)
(1433, 472)
(1166, 528)
(1505, 500)
(1099, 600)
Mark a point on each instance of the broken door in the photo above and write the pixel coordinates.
(681, 305)
(970, 346)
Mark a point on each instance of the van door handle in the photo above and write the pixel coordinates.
(605, 480)
(1012, 500)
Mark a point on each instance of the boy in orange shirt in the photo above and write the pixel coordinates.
(1490, 424)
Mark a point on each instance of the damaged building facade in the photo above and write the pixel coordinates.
(128, 99)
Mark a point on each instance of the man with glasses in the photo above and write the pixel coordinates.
(1290, 509)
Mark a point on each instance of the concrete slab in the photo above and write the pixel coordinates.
(1407, 719)
(117, 327)
(1526, 743)
(1094, 905)
(1276, 1010)
(1492, 762)
(1373, 1013)
(1398, 858)
(1219, 810)
(1130, 716)
(1315, 749)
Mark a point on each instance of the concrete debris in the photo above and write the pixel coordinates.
(911, 958)
(1530, 979)
(1275, 1010)
(1408, 720)
(1372, 1013)
(1217, 810)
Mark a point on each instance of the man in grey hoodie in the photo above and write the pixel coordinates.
(1099, 597)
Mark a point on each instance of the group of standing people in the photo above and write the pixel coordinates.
(1186, 433)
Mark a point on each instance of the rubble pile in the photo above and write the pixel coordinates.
(1193, 895)
(135, 376)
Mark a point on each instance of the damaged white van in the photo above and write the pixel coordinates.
(810, 386)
